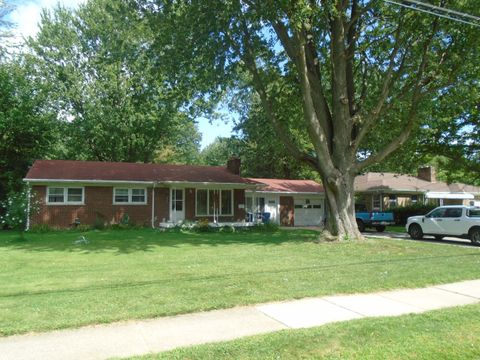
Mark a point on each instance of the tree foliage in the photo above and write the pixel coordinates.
(27, 129)
(114, 104)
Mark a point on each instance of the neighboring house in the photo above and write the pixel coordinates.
(380, 191)
(289, 202)
(81, 192)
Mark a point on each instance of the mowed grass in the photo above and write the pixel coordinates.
(442, 334)
(49, 281)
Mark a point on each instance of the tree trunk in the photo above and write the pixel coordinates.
(340, 196)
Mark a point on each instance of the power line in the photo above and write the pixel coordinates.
(437, 11)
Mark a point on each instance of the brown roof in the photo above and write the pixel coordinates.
(119, 171)
(395, 182)
(290, 186)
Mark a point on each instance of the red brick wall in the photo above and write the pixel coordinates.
(99, 203)
(162, 201)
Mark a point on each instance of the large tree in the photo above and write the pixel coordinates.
(354, 69)
(114, 104)
(28, 131)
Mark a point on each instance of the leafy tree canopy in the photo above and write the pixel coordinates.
(106, 87)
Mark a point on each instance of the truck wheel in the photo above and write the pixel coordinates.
(361, 225)
(380, 228)
(415, 232)
(475, 236)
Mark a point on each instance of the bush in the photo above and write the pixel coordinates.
(99, 223)
(82, 228)
(266, 227)
(41, 228)
(16, 210)
(203, 225)
(401, 214)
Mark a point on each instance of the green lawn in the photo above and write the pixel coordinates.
(49, 281)
(442, 334)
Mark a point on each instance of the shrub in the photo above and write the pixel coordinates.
(203, 225)
(99, 223)
(41, 228)
(266, 227)
(17, 208)
(82, 228)
(227, 229)
(401, 214)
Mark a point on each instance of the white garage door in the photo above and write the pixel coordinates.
(308, 212)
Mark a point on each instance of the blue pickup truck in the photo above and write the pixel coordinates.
(372, 219)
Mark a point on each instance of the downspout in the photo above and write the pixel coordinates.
(153, 206)
(27, 227)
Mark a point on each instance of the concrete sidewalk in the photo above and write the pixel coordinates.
(161, 334)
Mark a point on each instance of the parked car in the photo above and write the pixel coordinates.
(372, 219)
(457, 221)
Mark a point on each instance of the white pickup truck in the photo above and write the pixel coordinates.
(456, 220)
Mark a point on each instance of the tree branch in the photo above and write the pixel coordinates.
(412, 114)
(267, 103)
(387, 85)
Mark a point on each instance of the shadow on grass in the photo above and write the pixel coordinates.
(128, 241)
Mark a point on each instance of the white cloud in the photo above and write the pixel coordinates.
(26, 15)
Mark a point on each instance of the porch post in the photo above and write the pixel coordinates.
(27, 226)
(153, 206)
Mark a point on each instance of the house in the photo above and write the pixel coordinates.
(380, 191)
(82, 192)
(289, 202)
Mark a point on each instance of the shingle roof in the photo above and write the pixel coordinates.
(119, 171)
(395, 182)
(290, 186)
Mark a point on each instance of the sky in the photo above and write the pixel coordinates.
(26, 17)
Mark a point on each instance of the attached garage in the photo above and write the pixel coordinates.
(288, 202)
(308, 211)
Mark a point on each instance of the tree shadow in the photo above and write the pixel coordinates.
(146, 240)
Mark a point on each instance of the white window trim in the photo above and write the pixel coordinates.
(130, 202)
(65, 195)
(208, 202)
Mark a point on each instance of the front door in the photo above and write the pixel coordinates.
(177, 206)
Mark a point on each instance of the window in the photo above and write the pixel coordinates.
(65, 195)
(392, 201)
(414, 199)
(214, 202)
(177, 199)
(56, 195)
(202, 202)
(474, 213)
(226, 203)
(377, 202)
(438, 213)
(259, 205)
(453, 213)
(129, 196)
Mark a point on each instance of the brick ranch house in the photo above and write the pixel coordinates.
(82, 192)
(382, 191)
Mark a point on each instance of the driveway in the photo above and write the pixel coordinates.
(427, 238)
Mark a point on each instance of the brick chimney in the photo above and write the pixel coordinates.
(427, 173)
(233, 165)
